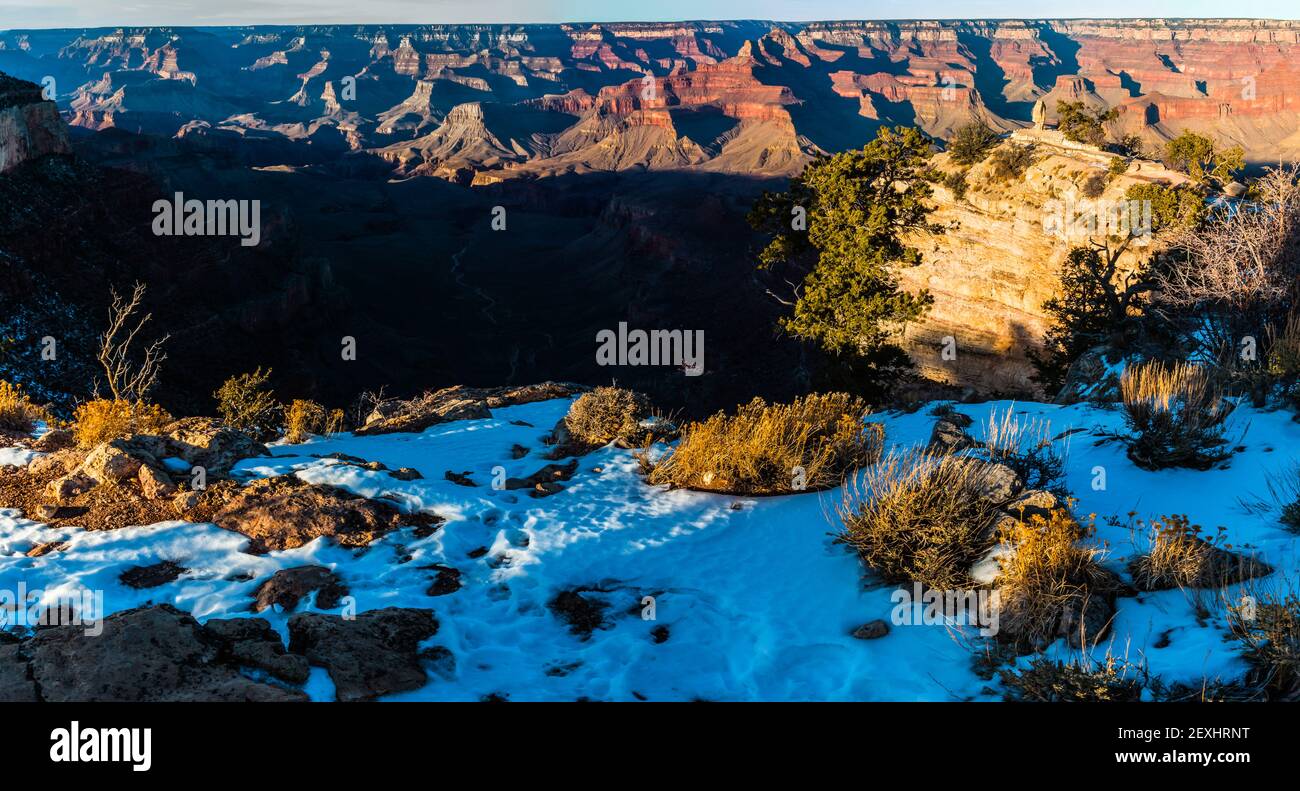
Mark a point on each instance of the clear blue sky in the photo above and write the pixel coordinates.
(85, 13)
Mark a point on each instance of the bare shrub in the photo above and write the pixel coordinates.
(916, 516)
(1238, 271)
(1178, 414)
(774, 448)
(129, 376)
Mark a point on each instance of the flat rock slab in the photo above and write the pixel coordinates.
(373, 654)
(149, 654)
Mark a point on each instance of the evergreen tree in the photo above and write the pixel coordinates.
(835, 238)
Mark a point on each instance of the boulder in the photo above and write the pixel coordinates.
(287, 587)
(60, 462)
(16, 685)
(210, 444)
(457, 403)
(1090, 378)
(154, 483)
(1086, 620)
(286, 512)
(948, 437)
(251, 642)
(54, 439)
(1000, 483)
(374, 654)
(110, 462)
(148, 654)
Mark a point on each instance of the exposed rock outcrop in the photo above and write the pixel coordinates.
(30, 126)
(286, 512)
(457, 403)
(149, 654)
(374, 654)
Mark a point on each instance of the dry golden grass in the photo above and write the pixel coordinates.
(17, 412)
(1047, 574)
(1284, 348)
(916, 516)
(302, 419)
(607, 414)
(1026, 446)
(103, 420)
(1177, 412)
(1179, 556)
(774, 448)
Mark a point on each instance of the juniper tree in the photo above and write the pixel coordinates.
(836, 237)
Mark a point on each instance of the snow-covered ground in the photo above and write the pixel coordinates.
(758, 601)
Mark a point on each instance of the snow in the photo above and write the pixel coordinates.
(758, 600)
(20, 457)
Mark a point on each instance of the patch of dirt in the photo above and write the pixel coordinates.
(105, 507)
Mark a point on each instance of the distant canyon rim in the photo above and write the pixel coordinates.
(626, 156)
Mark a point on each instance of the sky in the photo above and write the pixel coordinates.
(101, 13)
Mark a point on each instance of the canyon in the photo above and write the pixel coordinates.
(626, 155)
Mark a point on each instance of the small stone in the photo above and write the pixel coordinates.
(54, 439)
(63, 490)
(406, 474)
(185, 501)
(871, 630)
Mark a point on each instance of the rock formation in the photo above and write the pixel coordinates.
(29, 125)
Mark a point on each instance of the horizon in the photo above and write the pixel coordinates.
(690, 20)
(18, 15)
